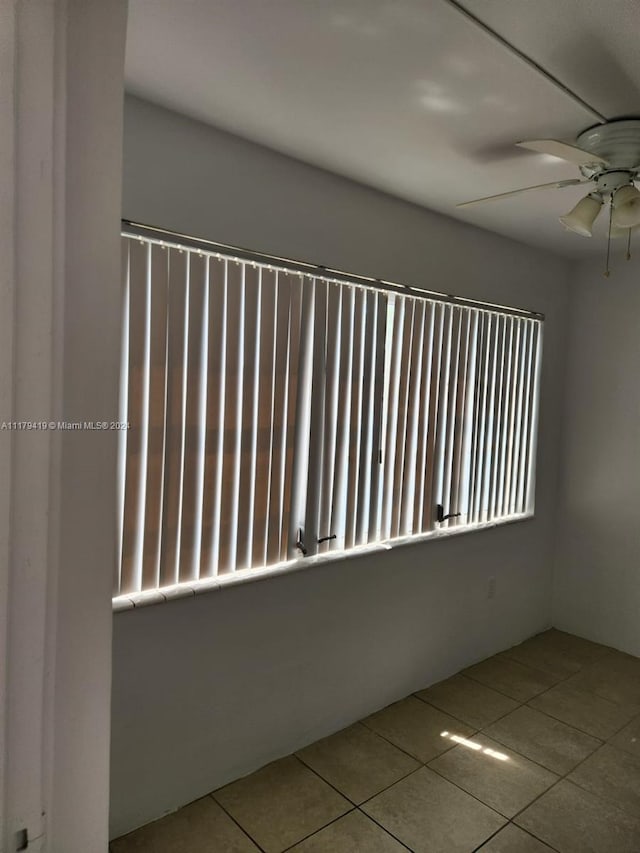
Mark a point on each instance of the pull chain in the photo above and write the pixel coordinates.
(629, 245)
(607, 271)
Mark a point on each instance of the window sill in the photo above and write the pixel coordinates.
(189, 589)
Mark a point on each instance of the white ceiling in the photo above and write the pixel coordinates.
(413, 97)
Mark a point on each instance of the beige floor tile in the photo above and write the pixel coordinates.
(498, 777)
(585, 711)
(573, 651)
(549, 742)
(468, 700)
(629, 738)
(417, 728)
(574, 821)
(615, 676)
(201, 827)
(358, 762)
(430, 815)
(353, 833)
(514, 679)
(512, 839)
(613, 775)
(538, 655)
(281, 804)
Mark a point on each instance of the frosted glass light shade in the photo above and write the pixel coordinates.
(616, 233)
(581, 218)
(626, 207)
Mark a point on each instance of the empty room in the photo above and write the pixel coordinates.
(320, 426)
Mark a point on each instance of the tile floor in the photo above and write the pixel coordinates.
(535, 749)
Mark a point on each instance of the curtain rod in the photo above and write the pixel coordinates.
(163, 235)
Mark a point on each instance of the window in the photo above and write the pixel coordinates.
(277, 411)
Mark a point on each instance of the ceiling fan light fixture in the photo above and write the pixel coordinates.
(626, 207)
(617, 233)
(580, 220)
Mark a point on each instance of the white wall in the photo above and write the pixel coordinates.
(208, 689)
(597, 586)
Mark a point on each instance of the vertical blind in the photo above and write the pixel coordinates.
(275, 414)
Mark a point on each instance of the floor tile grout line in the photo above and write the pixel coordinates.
(487, 840)
(475, 734)
(533, 835)
(564, 777)
(502, 693)
(583, 690)
(415, 757)
(381, 791)
(560, 777)
(497, 719)
(533, 760)
(505, 653)
(307, 767)
(424, 702)
(545, 672)
(427, 766)
(551, 717)
(515, 825)
(322, 779)
(388, 787)
(511, 749)
(562, 680)
(588, 791)
(468, 793)
(388, 831)
(573, 725)
(369, 730)
(240, 827)
(320, 829)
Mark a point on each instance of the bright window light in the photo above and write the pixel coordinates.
(279, 412)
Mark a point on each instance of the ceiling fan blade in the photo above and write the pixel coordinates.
(570, 182)
(562, 150)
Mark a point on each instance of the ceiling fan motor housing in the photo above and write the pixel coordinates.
(609, 181)
(617, 142)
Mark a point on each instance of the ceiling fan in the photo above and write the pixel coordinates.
(608, 157)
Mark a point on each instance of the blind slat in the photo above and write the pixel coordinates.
(428, 506)
(355, 436)
(395, 371)
(193, 455)
(376, 460)
(132, 530)
(526, 411)
(367, 421)
(413, 413)
(530, 472)
(402, 414)
(462, 384)
(443, 406)
(505, 416)
(175, 418)
(496, 413)
(265, 501)
(452, 406)
(215, 395)
(519, 387)
(249, 417)
(330, 415)
(345, 386)
(424, 406)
